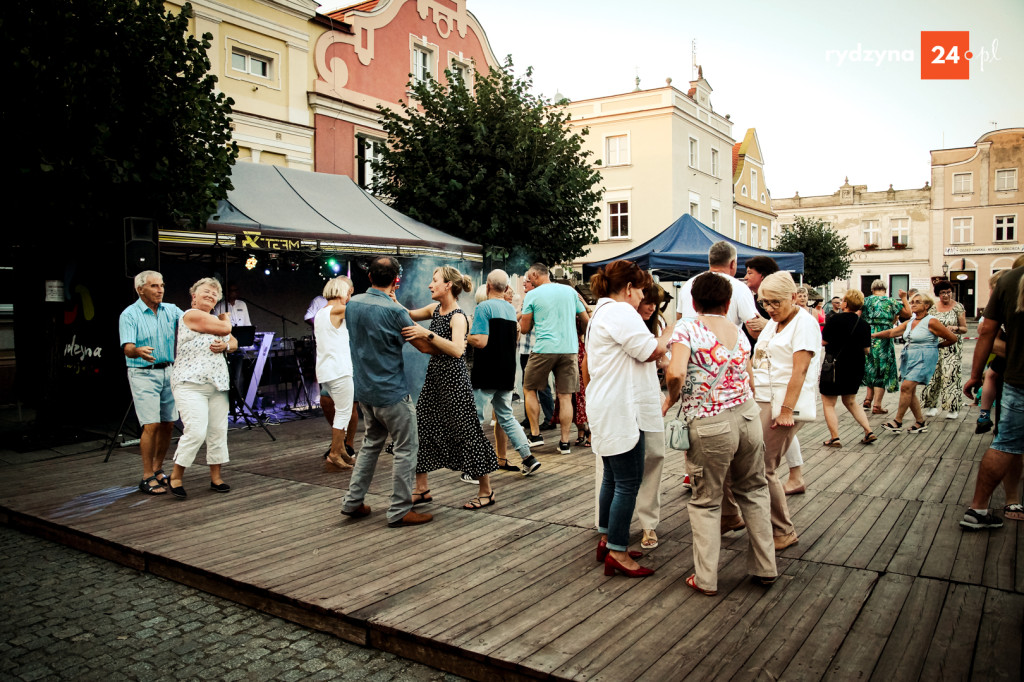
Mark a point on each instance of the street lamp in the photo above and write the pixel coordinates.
(945, 269)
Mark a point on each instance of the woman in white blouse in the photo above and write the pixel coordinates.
(623, 404)
(334, 367)
(200, 385)
(785, 372)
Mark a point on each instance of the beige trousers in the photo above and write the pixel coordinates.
(776, 442)
(731, 442)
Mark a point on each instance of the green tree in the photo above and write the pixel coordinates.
(826, 254)
(496, 165)
(115, 113)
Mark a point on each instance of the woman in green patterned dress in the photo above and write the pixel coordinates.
(946, 388)
(880, 373)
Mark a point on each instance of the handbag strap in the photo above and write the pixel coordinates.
(718, 377)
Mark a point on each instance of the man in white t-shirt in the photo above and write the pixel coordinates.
(721, 260)
(235, 307)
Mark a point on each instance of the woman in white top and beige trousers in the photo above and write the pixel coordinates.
(334, 367)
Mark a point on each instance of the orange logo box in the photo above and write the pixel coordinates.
(945, 55)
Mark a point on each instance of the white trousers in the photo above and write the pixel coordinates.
(341, 392)
(794, 456)
(204, 412)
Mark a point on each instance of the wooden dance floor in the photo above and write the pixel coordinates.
(883, 584)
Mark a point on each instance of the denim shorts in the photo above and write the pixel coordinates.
(1010, 438)
(151, 389)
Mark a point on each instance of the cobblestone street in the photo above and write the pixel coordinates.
(72, 616)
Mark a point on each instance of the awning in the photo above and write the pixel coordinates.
(277, 208)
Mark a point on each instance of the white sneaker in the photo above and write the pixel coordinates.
(953, 415)
(931, 412)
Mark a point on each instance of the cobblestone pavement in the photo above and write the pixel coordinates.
(67, 615)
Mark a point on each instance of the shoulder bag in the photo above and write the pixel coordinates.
(677, 433)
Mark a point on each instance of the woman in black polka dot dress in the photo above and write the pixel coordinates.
(449, 432)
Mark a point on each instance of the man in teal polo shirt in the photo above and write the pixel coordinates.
(147, 329)
(550, 311)
(375, 321)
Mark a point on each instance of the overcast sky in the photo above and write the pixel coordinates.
(820, 115)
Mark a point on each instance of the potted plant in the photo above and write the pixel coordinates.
(899, 245)
(870, 247)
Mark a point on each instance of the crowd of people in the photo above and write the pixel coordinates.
(743, 364)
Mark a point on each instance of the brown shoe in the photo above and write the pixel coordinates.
(411, 519)
(357, 513)
(734, 522)
(784, 541)
(332, 467)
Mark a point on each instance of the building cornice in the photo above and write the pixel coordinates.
(248, 19)
(273, 124)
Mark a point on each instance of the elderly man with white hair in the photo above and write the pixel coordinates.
(493, 336)
(147, 330)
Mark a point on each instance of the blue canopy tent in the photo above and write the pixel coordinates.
(681, 251)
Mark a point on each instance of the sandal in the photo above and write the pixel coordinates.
(152, 486)
(163, 478)
(650, 539)
(692, 582)
(504, 465)
(1014, 512)
(867, 404)
(763, 581)
(918, 427)
(583, 440)
(478, 503)
(424, 498)
(869, 438)
(879, 410)
(833, 443)
(893, 425)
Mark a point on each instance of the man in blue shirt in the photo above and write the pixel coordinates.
(550, 311)
(375, 321)
(147, 329)
(493, 336)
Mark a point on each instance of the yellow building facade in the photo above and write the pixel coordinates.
(977, 203)
(260, 53)
(662, 153)
(754, 220)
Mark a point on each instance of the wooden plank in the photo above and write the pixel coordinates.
(904, 653)
(952, 645)
(880, 518)
(844, 534)
(917, 542)
(942, 552)
(997, 655)
(894, 538)
(861, 649)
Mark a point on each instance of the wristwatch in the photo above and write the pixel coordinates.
(430, 336)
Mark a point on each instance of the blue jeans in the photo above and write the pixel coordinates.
(1010, 438)
(622, 476)
(547, 402)
(399, 420)
(501, 401)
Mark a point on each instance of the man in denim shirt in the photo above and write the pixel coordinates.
(147, 329)
(375, 321)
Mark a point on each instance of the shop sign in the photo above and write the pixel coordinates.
(255, 240)
(974, 250)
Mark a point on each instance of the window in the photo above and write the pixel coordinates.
(367, 151)
(714, 162)
(871, 231)
(962, 183)
(900, 231)
(743, 190)
(694, 158)
(616, 150)
(764, 237)
(742, 235)
(963, 231)
(753, 183)
(618, 220)
(714, 220)
(695, 209)
(762, 198)
(247, 62)
(754, 234)
(1006, 180)
(1006, 228)
(421, 62)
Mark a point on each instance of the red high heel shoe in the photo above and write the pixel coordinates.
(602, 552)
(611, 565)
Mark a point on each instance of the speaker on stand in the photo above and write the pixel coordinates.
(141, 245)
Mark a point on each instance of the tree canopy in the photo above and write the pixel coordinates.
(115, 113)
(826, 254)
(493, 164)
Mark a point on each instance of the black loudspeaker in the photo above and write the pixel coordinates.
(141, 246)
